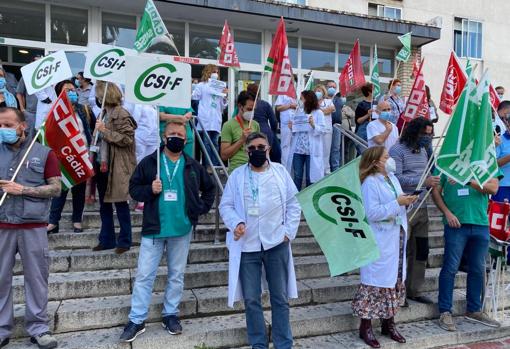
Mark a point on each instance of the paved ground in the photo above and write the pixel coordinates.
(503, 343)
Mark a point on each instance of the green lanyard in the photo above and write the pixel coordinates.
(392, 187)
(254, 190)
(170, 179)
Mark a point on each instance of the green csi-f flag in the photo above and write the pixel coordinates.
(310, 84)
(374, 77)
(468, 150)
(152, 30)
(334, 211)
(404, 54)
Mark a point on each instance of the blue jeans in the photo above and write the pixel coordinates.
(299, 161)
(209, 147)
(474, 240)
(335, 157)
(151, 251)
(275, 263)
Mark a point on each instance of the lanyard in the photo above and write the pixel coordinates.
(170, 179)
(392, 187)
(254, 190)
(240, 122)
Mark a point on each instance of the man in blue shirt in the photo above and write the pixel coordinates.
(172, 205)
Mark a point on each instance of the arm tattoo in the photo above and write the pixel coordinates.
(52, 189)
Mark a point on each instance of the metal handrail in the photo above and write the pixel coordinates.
(216, 154)
(352, 136)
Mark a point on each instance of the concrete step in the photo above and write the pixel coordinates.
(100, 312)
(229, 331)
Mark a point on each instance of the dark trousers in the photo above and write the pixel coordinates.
(107, 233)
(299, 163)
(417, 251)
(215, 136)
(57, 204)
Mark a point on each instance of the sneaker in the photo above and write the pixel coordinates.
(131, 331)
(139, 207)
(44, 341)
(4, 342)
(172, 324)
(483, 319)
(446, 322)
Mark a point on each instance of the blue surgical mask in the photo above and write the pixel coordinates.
(73, 97)
(193, 86)
(424, 141)
(398, 90)
(77, 83)
(8, 135)
(331, 91)
(385, 115)
(2, 83)
(214, 76)
(319, 95)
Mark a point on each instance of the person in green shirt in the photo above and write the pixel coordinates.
(236, 130)
(466, 230)
(178, 114)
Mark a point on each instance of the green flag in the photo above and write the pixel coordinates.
(152, 27)
(405, 52)
(310, 84)
(469, 68)
(468, 150)
(374, 77)
(334, 211)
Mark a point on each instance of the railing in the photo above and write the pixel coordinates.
(352, 136)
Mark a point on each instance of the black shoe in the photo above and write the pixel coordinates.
(54, 230)
(422, 299)
(172, 324)
(77, 229)
(4, 342)
(131, 331)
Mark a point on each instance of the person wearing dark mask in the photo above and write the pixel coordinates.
(172, 205)
(260, 209)
(411, 159)
(235, 131)
(86, 122)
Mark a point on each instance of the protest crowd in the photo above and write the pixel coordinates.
(164, 158)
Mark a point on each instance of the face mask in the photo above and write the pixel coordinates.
(193, 86)
(500, 97)
(8, 135)
(214, 76)
(257, 158)
(319, 95)
(73, 97)
(390, 166)
(98, 103)
(2, 83)
(385, 115)
(175, 144)
(247, 115)
(424, 141)
(398, 90)
(331, 91)
(77, 83)
(343, 99)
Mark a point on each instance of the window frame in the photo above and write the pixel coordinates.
(465, 34)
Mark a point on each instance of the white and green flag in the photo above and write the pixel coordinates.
(468, 150)
(152, 31)
(404, 54)
(334, 211)
(374, 77)
(310, 84)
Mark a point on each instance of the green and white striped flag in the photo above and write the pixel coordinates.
(374, 77)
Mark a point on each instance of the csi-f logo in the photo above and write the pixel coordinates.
(107, 62)
(156, 82)
(348, 207)
(42, 74)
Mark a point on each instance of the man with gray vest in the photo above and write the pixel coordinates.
(23, 219)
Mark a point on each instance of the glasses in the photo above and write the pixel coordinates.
(257, 147)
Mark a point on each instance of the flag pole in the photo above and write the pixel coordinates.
(256, 97)
(421, 204)
(101, 118)
(23, 161)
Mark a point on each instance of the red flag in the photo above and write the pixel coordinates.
(352, 76)
(416, 68)
(62, 134)
(228, 55)
(454, 83)
(278, 62)
(417, 103)
(493, 95)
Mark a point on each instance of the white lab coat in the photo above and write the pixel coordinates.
(316, 139)
(381, 205)
(233, 212)
(210, 107)
(147, 133)
(44, 108)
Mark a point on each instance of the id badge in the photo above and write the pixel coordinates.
(398, 220)
(463, 192)
(170, 195)
(253, 211)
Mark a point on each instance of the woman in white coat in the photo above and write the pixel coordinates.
(382, 288)
(308, 129)
(327, 107)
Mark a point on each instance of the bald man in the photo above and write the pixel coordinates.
(383, 131)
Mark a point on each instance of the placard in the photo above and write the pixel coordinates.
(107, 63)
(46, 71)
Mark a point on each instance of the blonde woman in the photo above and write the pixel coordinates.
(382, 288)
(114, 165)
(210, 110)
(327, 107)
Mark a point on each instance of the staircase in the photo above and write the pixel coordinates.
(89, 296)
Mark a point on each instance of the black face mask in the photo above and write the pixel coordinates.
(175, 144)
(257, 157)
(98, 103)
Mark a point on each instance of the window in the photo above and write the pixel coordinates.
(345, 50)
(384, 11)
(386, 60)
(176, 29)
(203, 41)
(248, 46)
(317, 55)
(22, 20)
(118, 29)
(467, 38)
(69, 25)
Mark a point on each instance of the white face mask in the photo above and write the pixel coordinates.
(390, 166)
(247, 115)
(214, 76)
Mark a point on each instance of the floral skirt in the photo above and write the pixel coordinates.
(371, 302)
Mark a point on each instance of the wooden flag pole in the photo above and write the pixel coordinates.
(256, 97)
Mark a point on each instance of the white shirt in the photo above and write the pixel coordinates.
(267, 228)
(375, 128)
(326, 103)
(210, 107)
(285, 116)
(147, 119)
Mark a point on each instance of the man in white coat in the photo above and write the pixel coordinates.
(260, 209)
